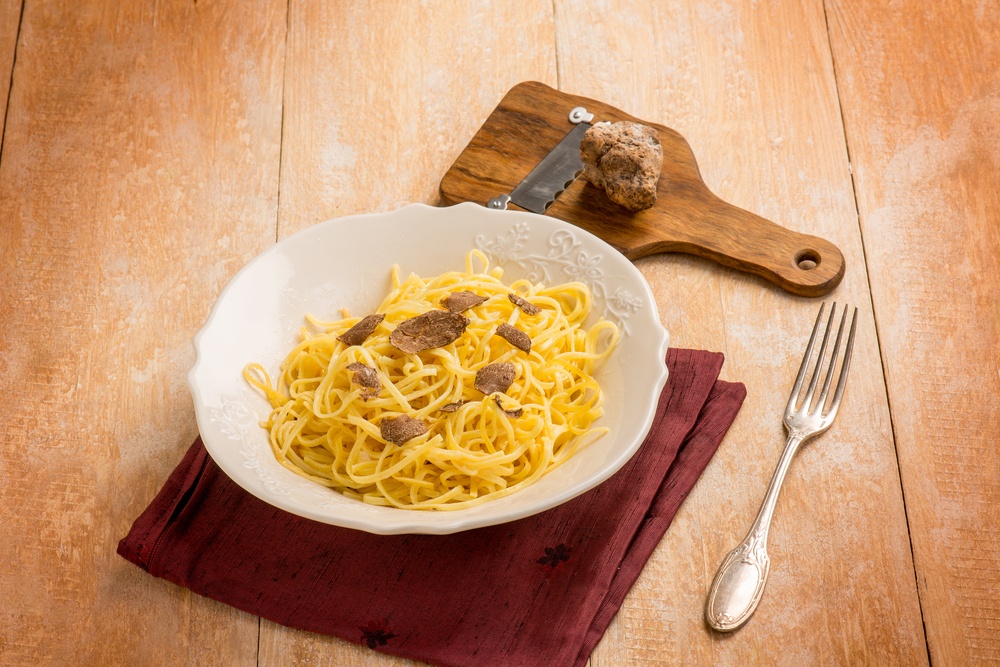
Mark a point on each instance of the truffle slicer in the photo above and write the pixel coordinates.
(554, 173)
(529, 148)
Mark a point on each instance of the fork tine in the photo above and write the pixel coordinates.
(842, 380)
(794, 395)
(807, 403)
(833, 361)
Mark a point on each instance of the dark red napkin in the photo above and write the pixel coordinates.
(539, 591)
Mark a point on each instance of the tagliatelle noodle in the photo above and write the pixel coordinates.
(323, 429)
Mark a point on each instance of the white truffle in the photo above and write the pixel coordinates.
(624, 159)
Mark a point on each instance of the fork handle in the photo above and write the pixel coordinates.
(739, 583)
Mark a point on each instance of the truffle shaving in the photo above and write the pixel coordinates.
(495, 378)
(435, 328)
(515, 413)
(457, 302)
(515, 337)
(528, 308)
(361, 331)
(398, 430)
(365, 377)
(452, 407)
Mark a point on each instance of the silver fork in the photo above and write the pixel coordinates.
(739, 583)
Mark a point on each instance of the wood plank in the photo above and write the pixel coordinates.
(921, 97)
(751, 86)
(377, 106)
(10, 23)
(140, 171)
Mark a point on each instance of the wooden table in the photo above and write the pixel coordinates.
(151, 149)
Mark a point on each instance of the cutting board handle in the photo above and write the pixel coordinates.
(803, 264)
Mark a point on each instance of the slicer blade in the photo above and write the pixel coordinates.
(554, 173)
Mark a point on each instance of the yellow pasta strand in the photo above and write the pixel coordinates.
(323, 428)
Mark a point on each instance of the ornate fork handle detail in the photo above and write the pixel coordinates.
(739, 583)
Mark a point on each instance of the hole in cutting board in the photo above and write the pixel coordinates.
(807, 260)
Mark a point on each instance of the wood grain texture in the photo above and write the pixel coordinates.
(10, 23)
(139, 172)
(378, 104)
(751, 87)
(151, 149)
(687, 217)
(921, 99)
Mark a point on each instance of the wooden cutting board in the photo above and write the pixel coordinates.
(532, 118)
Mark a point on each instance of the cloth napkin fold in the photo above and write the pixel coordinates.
(538, 591)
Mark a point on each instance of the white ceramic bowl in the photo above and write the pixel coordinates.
(346, 263)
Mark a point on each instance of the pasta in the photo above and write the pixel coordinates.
(464, 440)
